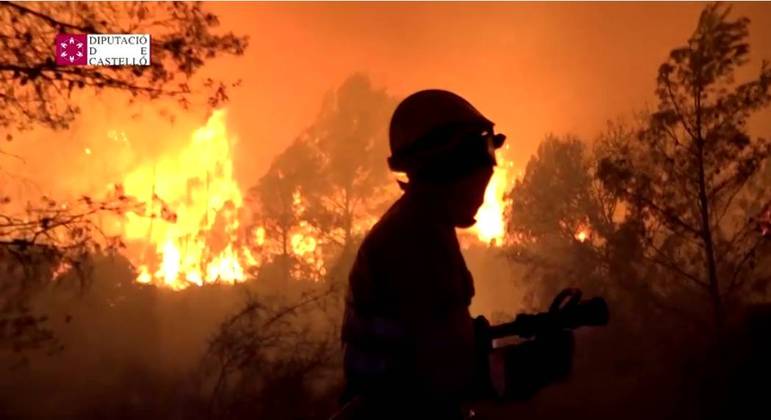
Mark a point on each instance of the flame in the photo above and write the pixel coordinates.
(259, 236)
(61, 268)
(304, 242)
(189, 232)
(491, 226)
(302, 245)
(144, 276)
(582, 233)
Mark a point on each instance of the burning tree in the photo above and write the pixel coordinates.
(327, 187)
(50, 235)
(287, 232)
(315, 201)
(351, 135)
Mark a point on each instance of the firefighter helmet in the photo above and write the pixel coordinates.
(438, 133)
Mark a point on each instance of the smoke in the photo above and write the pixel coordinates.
(532, 68)
(116, 344)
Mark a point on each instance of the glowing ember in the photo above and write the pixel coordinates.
(490, 226)
(189, 233)
(582, 234)
(61, 269)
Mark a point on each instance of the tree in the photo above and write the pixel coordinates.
(685, 173)
(48, 240)
(552, 214)
(48, 237)
(267, 355)
(283, 200)
(352, 135)
(568, 230)
(35, 91)
(332, 180)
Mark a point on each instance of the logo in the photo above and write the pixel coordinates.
(71, 49)
(103, 49)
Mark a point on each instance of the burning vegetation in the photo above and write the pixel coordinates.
(190, 231)
(176, 289)
(491, 223)
(194, 227)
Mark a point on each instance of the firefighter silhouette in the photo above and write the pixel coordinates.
(409, 339)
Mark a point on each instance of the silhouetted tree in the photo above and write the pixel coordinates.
(555, 215)
(35, 91)
(269, 354)
(568, 230)
(352, 136)
(332, 180)
(682, 173)
(46, 241)
(283, 201)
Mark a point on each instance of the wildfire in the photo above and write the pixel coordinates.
(490, 226)
(189, 233)
(582, 234)
(304, 244)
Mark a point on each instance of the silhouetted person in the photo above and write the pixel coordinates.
(407, 332)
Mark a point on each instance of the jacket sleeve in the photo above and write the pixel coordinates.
(373, 344)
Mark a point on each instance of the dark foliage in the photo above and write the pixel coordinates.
(35, 91)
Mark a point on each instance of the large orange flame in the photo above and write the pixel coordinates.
(490, 226)
(189, 233)
(191, 230)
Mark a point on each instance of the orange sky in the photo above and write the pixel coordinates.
(534, 68)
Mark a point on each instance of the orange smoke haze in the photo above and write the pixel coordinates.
(532, 68)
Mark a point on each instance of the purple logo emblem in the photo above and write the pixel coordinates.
(71, 49)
